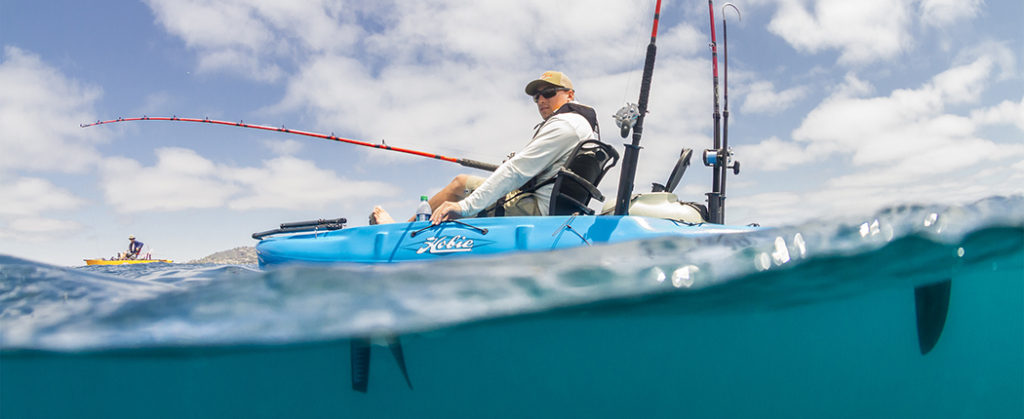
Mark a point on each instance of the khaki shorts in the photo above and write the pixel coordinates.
(516, 204)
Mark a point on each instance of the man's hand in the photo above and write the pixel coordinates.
(446, 211)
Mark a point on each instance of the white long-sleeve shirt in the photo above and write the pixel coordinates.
(546, 153)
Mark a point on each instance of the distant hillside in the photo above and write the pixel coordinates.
(245, 255)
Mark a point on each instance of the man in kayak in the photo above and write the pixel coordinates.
(134, 248)
(518, 186)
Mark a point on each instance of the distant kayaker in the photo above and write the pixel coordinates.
(134, 248)
(518, 187)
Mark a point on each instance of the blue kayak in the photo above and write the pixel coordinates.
(421, 241)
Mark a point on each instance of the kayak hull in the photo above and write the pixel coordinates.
(124, 262)
(419, 241)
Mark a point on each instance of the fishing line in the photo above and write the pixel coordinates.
(638, 20)
(631, 117)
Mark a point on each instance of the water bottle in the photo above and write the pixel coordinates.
(423, 210)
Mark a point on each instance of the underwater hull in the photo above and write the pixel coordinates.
(419, 241)
(123, 262)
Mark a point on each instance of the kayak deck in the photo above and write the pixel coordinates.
(421, 241)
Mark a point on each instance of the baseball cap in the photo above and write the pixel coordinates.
(549, 78)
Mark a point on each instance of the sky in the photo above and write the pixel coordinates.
(837, 108)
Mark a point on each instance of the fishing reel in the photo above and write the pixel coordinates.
(713, 157)
(626, 118)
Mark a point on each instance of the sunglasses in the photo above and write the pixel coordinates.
(548, 93)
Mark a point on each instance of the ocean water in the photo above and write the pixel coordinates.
(812, 320)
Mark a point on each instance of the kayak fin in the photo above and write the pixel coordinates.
(396, 350)
(360, 358)
(932, 304)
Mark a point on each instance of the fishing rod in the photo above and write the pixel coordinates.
(728, 163)
(464, 162)
(719, 157)
(632, 117)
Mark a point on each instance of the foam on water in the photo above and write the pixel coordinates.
(158, 305)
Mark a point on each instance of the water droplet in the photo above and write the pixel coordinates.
(684, 276)
(781, 253)
(801, 246)
(762, 261)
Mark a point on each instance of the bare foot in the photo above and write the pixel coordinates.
(380, 216)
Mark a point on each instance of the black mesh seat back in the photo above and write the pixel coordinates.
(590, 161)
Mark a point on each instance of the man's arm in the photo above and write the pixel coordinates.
(553, 140)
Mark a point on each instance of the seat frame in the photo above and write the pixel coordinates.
(566, 203)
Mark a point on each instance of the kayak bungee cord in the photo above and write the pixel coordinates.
(632, 117)
(464, 162)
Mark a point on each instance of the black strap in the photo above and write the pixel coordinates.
(588, 114)
(585, 111)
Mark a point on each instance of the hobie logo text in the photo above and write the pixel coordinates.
(446, 244)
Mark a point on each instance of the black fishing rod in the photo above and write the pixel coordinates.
(464, 162)
(728, 163)
(632, 117)
(719, 157)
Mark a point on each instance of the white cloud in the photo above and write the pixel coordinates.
(24, 199)
(964, 83)
(291, 183)
(239, 61)
(40, 228)
(433, 75)
(905, 147)
(761, 97)
(247, 37)
(261, 39)
(783, 154)
(513, 33)
(414, 107)
(944, 12)
(853, 86)
(182, 179)
(1000, 53)
(31, 196)
(285, 147)
(1006, 112)
(863, 31)
(40, 110)
(885, 129)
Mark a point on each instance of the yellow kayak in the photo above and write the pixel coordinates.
(123, 261)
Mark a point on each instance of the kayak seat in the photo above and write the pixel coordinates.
(576, 182)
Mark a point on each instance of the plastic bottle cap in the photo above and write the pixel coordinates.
(423, 197)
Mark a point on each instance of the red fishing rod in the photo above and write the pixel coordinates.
(632, 117)
(719, 157)
(711, 156)
(464, 162)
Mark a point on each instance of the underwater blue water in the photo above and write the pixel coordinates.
(810, 320)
